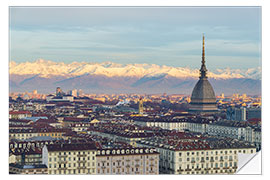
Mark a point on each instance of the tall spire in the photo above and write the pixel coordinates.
(203, 69)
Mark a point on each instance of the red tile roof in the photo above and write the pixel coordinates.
(19, 112)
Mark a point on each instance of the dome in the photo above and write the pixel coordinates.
(203, 99)
(203, 92)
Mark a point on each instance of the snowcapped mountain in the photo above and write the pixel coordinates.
(48, 69)
(109, 77)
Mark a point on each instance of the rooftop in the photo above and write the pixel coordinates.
(126, 151)
(187, 142)
(71, 147)
(20, 166)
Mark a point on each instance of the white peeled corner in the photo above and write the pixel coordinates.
(249, 163)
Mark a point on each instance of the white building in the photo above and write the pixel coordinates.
(70, 158)
(127, 161)
(196, 157)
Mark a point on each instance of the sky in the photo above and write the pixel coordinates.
(169, 36)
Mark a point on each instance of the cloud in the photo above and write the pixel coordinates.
(170, 36)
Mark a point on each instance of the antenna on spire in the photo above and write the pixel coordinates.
(203, 51)
(203, 67)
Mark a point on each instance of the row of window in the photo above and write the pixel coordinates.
(207, 158)
(73, 171)
(71, 159)
(119, 171)
(211, 165)
(227, 171)
(56, 165)
(211, 152)
(74, 153)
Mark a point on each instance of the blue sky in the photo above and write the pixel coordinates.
(164, 36)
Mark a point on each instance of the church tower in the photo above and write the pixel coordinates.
(203, 99)
(141, 106)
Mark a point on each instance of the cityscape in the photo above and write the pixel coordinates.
(60, 122)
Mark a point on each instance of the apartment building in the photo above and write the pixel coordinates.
(27, 169)
(23, 134)
(25, 156)
(128, 161)
(70, 158)
(224, 128)
(179, 124)
(19, 114)
(118, 132)
(193, 156)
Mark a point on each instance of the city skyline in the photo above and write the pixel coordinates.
(134, 91)
(163, 36)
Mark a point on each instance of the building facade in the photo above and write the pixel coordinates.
(27, 169)
(128, 161)
(70, 158)
(196, 157)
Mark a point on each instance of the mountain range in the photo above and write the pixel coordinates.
(109, 77)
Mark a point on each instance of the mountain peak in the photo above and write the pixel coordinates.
(46, 68)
